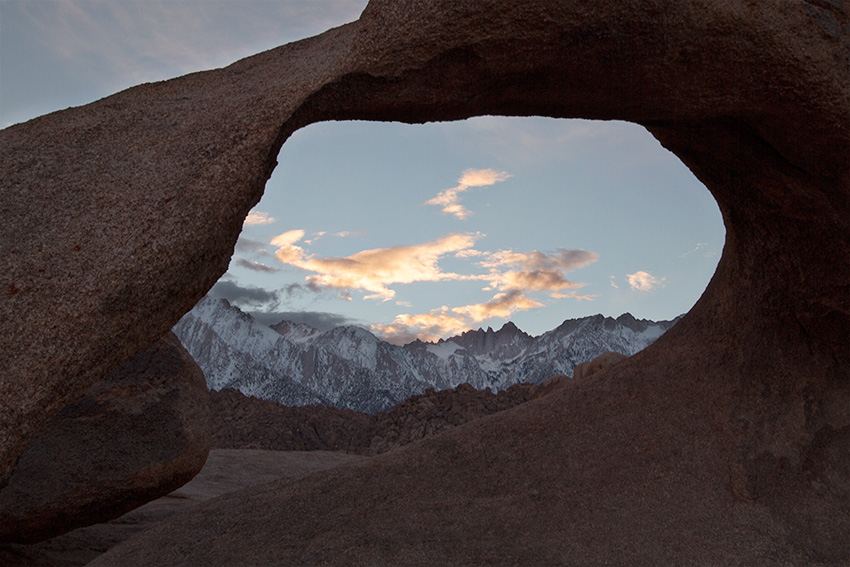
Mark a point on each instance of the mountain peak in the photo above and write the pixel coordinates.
(294, 331)
(349, 367)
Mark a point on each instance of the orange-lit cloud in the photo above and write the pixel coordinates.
(258, 217)
(445, 321)
(574, 295)
(502, 305)
(375, 270)
(512, 274)
(644, 281)
(449, 199)
(426, 326)
(287, 252)
(315, 237)
(287, 238)
(536, 271)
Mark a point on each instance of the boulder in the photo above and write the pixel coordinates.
(601, 362)
(721, 440)
(136, 435)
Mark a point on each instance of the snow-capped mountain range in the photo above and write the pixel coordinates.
(349, 367)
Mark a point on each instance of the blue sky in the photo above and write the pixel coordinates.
(409, 230)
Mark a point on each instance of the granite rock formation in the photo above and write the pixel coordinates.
(136, 435)
(601, 362)
(242, 422)
(726, 439)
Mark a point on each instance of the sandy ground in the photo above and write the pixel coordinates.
(226, 470)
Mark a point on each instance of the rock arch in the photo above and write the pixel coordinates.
(119, 215)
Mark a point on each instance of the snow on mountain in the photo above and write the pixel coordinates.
(349, 367)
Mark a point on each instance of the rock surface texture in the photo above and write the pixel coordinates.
(225, 471)
(601, 362)
(136, 435)
(242, 422)
(727, 440)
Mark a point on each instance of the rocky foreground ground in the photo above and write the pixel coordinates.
(256, 442)
(226, 471)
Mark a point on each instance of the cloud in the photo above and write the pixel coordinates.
(512, 274)
(320, 320)
(426, 326)
(566, 260)
(696, 249)
(521, 141)
(248, 297)
(613, 283)
(248, 246)
(257, 218)
(347, 233)
(537, 271)
(287, 238)
(263, 304)
(300, 289)
(100, 47)
(315, 237)
(451, 321)
(255, 266)
(574, 295)
(287, 252)
(449, 199)
(375, 270)
(150, 40)
(502, 305)
(644, 281)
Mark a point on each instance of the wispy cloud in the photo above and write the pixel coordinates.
(92, 48)
(525, 140)
(320, 320)
(699, 247)
(575, 295)
(150, 39)
(255, 266)
(347, 233)
(449, 200)
(644, 281)
(255, 218)
(246, 245)
(374, 270)
(315, 237)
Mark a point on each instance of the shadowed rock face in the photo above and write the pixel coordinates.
(601, 362)
(136, 435)
(729, 435)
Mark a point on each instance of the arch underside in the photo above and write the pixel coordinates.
(733, 428)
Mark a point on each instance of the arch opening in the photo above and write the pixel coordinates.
(534, 220)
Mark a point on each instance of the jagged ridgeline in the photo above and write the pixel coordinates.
(349, 367)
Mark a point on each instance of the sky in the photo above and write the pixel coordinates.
(411, 231)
